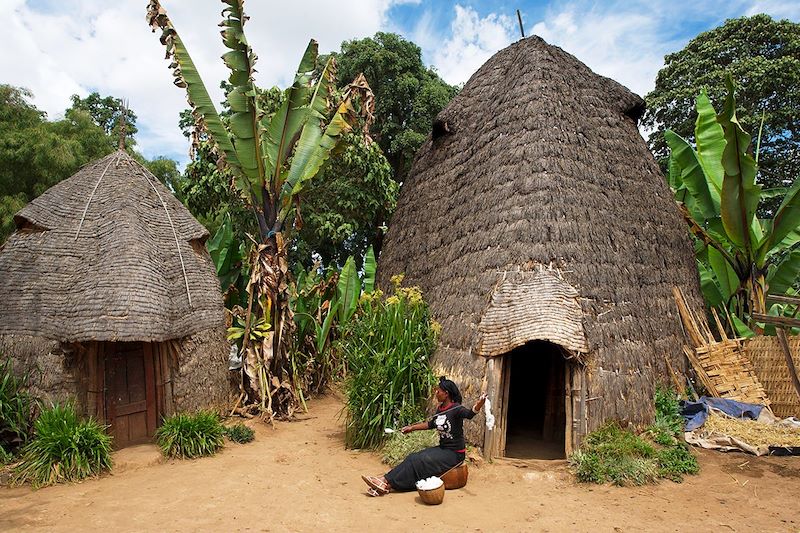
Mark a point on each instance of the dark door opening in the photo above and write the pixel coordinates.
(130, 392)
(536, 417)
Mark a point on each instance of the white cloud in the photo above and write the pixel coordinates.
(60, 49)
(473, 40)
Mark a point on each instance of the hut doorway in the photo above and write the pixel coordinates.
(535, 393)
(131, 407)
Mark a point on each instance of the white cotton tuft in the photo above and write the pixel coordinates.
(388, 430)
(429, 483)
(487, 410)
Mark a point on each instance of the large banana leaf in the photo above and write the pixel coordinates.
(727, 279)
(786, 220)
(187, 76)
(783, 275)
(710, 145)
(285, 126)
(348, 290)
(709, 286)
(370, 267)
(692, 177)
(242, 99)
(740, 194)
(308, 146)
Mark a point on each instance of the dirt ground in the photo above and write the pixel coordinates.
(299, 477)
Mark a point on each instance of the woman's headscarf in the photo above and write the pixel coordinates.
(450, 388)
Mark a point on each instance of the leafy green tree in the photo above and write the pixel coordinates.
(36, 154)
(408, 94)
(764, 55)
(107, 112)
(346, 204)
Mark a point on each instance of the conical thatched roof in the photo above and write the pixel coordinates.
(109, 255)
(537, 166)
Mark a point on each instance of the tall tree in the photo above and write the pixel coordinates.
(107, 112)
(763, 55)
(347, 203)
(36, 154)
(408, 94)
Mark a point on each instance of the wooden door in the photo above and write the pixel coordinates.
(130, 392)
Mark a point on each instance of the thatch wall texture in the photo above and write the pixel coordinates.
(537, 164)
(51, 373)
(101, 256)
(201, 379)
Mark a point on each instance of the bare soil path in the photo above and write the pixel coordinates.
(299, 477)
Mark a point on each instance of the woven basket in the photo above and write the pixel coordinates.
(456, 477)
(433, 496)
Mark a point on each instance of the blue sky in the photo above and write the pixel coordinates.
(58, 48)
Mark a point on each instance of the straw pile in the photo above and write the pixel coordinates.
(753, 432)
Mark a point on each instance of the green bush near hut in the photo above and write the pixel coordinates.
(615, 455)
(387, 348)
(64, 448)
(186, 436)
(240, 433)
(16, 410)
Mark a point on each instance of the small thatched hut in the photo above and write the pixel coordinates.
(110, 298)
(547, 242)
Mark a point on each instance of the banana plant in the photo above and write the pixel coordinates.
(740, 257)
(273, 157)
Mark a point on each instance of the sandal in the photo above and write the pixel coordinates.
(376, 484)
(373, 492)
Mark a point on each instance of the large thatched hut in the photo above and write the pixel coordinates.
(110, 298)
(543, 234)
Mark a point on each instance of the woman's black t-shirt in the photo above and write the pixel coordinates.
(449, 423)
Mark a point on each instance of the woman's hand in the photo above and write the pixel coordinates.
(407, 429)
(479, 404)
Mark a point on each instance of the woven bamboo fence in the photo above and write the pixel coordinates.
(769, 363)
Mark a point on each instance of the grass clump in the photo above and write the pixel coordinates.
(186, 436)
(387, 348)
(611, 454)
(240, 433)
(64, 448)
(615, 455)
(399, 446)
(668, 424)
(16, 412)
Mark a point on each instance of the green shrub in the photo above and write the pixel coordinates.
(612, 454)
(387, 347)
(16, 410)
(668, 424)
(240, 433)
(190, 435)
(675, 461)
(615, 455)
(399, 446)
(64, 448)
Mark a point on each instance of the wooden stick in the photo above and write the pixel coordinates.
(787, 353)
(675, 380)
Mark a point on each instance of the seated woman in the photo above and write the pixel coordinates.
(449, 422)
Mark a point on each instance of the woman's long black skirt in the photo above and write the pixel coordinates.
(420, 465)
